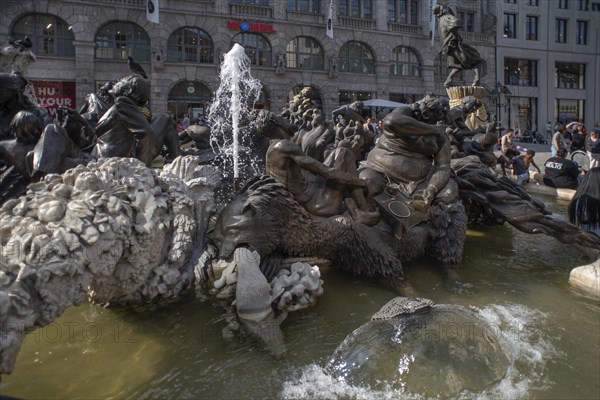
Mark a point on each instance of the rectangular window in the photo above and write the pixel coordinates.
(510, 26)
(569, 110)
(367, 9)
(403, 11)
(569, 75)
(468, 20)
(392, 10)
(526, 113)
(584, 5)
(519, 72)
(343, 8)
(563, 4)
(582, 32)
(355, 8)
(511, 1)
(258, 2)
(533, 3)
(531, 27)
(561, 30)
(414, 12)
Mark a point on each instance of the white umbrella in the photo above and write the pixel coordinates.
(382, 103)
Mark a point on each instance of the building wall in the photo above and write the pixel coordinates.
(547, 52)
(86, 17)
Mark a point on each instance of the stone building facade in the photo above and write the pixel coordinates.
(548, 56)
(380, 48)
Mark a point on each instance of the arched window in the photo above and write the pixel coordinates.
(117, 40)
(304, 52)
(257, 48)
(189, 97)
(50, 35)
(404, 61)
(356, 57)
(190, 45)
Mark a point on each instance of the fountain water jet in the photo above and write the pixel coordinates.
(229, 112)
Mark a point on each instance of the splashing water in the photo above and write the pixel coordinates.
(528, 352)
(229, 115)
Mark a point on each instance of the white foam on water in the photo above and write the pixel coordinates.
(316, 383)
(528, 349)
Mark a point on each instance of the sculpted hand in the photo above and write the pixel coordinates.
(429, 194)
(372, 189)
(452, 131)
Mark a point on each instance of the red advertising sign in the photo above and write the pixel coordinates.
(246, 26)
(54, 94)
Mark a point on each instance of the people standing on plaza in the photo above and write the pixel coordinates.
(379, 130)
(371, 124)
(507, 144)
(568, 135)
(558, 140)
(521, 166)
(559, 172)
(508, 149)
(186, 121)
(549, 130)
(592, 148)
(579, 137)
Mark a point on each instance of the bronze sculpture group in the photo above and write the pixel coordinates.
(329, 190)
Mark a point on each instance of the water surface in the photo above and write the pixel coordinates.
(178, 352)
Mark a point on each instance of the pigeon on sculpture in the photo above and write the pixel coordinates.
(24, 43)
(135, 67)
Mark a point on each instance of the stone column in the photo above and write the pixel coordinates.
(382, 74)
(279, 12)
(428, 72)
(380, 14)
(84, 69)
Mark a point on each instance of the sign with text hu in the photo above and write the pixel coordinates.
(245, 26)
(54, 94)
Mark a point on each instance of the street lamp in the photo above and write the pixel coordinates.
(506, 92)
(499, 91)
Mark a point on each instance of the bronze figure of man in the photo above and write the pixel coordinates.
(459, 56)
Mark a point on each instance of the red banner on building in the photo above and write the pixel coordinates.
(54, 94)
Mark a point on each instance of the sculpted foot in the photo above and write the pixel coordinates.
(407, 291)
(400, 286)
